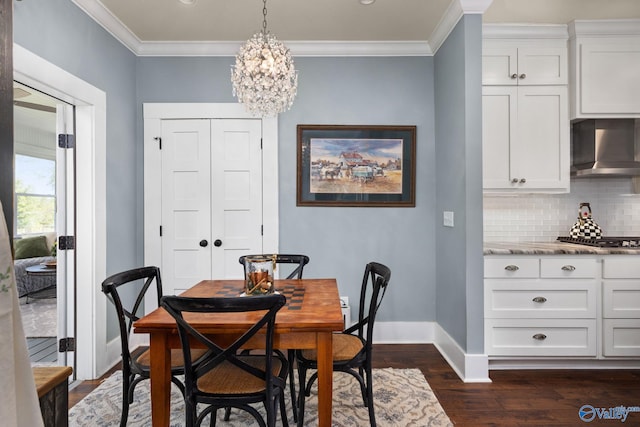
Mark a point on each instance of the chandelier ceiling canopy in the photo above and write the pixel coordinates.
(264, 78)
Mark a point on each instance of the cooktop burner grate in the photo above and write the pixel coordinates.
(604, 242)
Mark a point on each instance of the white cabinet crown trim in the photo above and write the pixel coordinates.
(524, 31)
(604, 27)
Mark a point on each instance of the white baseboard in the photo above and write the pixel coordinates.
(403, 333)
(469, 367)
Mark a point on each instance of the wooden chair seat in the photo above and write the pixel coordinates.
(345, 347)
(227, 378)
(177, 359)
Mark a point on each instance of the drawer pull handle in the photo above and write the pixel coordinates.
(512, 267)
(568, 268)
(539, 337)
(540, 299)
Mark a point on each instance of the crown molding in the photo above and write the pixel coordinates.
(109, 22)
(454, 12)
(297, 48)
(604, 28)
(101, 15)
(525, 31)
(475, 6)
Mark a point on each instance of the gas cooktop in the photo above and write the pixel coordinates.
(604, 242)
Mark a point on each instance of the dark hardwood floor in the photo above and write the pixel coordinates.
(546, 398)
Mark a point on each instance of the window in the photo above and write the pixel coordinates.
(35, 184)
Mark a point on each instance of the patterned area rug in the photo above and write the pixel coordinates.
(39, 317)
(402, 398)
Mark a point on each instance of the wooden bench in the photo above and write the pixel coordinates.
(53, 391)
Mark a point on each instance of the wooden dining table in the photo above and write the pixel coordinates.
(308, 320)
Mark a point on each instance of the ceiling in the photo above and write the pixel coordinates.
(318, 27)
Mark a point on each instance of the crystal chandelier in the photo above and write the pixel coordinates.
(264, 78)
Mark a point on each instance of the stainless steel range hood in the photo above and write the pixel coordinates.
(606, 147)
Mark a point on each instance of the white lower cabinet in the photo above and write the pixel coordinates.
(536, 306)
(562, 306)
(621, 337)
(621, 306)
(540, 337)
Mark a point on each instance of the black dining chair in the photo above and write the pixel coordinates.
(127, 290)
(224, 377)
(352, 348)
(299, 262)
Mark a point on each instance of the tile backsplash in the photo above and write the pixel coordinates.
(544, 217)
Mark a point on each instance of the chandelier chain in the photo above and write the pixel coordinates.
(264, 17)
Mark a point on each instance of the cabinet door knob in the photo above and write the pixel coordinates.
(514, 76)
(512, 267)
(523, 180)
(203, 243)
(568, 268)
(540, 299)
(539, 337)
(217, 243)
(514, 180)
(523, 76)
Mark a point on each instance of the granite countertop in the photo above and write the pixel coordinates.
(551, 248)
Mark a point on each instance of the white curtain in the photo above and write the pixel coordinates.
(19, 406)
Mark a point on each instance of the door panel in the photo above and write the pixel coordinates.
(236, 174)
(539, 152)
(186, 203)
(211, 199)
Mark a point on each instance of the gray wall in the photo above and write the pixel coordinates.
(458, 156)
(393, 91)
(339, 241)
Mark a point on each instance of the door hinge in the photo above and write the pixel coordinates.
(262, 230)
(66, 243)
(157, 138)
(261, 143)
(66, 344)
(66, 140)
(160, 231)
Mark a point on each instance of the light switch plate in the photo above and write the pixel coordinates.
(447, 219)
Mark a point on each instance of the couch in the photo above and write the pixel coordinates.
(30, 251)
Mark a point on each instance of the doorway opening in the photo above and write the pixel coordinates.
(44, 210)
(89, 264)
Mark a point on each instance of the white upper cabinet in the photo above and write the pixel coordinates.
(508, 65)
(605, 69)
(525, 133)
(525, 109)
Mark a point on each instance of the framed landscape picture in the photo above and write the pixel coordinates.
(344, 165)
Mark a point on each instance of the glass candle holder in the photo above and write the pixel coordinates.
(259, 275)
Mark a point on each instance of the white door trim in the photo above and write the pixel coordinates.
(153, 114)
(91, 130)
